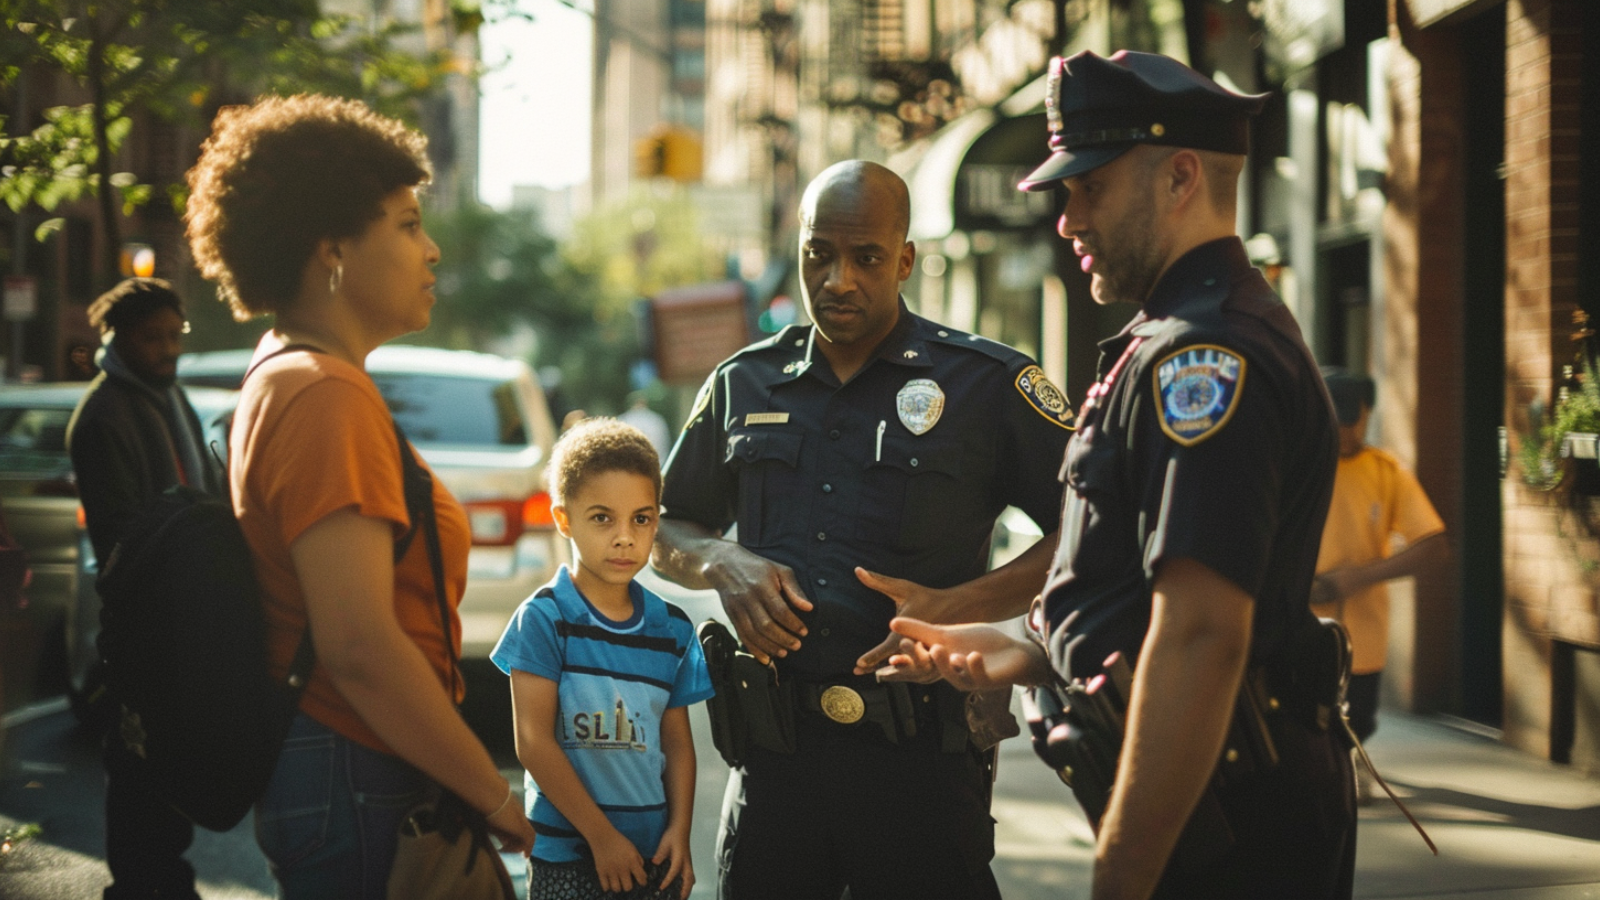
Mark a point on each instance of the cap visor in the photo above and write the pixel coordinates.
(1067, 163)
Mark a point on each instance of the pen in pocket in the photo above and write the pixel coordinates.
(877, 455)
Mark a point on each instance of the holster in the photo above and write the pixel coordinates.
(1077, 728)
(751, 706)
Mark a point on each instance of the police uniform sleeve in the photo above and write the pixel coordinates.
(697, 486)
(1036, 422)
(1213, 446)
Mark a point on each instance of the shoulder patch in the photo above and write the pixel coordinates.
(1197, 389)
(1044, 397)
(701, 401)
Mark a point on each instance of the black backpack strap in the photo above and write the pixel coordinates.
(278, 352)
(420, 510)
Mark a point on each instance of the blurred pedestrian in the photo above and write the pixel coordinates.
(862, 457)
(651, 423)
(1376, 503)
(306, 208)
(1198, 482)
(132, 436)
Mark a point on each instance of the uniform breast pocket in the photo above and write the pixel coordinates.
(909, 492)
(1090, 468)
(769, 482)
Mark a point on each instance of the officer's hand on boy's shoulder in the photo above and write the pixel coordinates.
(760, 598)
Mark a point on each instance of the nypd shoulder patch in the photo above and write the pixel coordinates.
(701, 401)
(1197, 390)
(1047, 399)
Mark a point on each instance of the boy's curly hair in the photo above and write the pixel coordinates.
(596, 446)
(276, 177)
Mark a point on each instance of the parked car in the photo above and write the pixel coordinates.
(40, 495)
(483, 426)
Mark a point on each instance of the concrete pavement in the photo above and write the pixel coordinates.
(1509, 826)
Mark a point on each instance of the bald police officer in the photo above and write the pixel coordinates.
(871, 438)
(1198, 483)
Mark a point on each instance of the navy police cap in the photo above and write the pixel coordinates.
(1099, 107)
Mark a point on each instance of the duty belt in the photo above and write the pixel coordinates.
(891, 709)
(887, 706)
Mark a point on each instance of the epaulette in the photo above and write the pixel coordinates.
(1010, 356)
(783, 339)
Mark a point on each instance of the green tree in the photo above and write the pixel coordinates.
(498, 270)
(175, 59)
(628, 251)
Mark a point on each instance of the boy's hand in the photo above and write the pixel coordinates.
(674, 849)
(617, 862)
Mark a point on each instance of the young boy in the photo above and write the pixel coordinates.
(602, 674)
(1375, 502)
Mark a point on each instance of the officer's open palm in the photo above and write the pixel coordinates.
(760, 598)
(910, 599)
(970, 657)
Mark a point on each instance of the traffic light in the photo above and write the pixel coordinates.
(668, 151)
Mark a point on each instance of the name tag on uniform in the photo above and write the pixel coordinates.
(766, 418)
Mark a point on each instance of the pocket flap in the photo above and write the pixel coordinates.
(752, 446)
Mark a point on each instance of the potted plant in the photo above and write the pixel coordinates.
(1572, 431)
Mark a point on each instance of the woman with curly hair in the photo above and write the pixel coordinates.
(306, 208)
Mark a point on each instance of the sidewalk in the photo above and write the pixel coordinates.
(1508, 825)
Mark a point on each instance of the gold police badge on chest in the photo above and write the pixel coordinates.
(919, 404)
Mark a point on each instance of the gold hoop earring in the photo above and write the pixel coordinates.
(336, 279)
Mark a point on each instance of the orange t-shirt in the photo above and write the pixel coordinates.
(313, 436)
(1375, 500)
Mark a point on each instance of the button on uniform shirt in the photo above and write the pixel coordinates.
(902, 470)
(1215, 441)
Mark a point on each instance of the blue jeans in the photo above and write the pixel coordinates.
(329, 819)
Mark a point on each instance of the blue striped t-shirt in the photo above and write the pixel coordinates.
(615, 681)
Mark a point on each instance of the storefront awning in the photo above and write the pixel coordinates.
(964, 176)
(929, 169)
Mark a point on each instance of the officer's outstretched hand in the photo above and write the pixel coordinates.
(970, 657)
(760, 598)
(910, 599)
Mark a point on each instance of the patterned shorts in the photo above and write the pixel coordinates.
(578, 880)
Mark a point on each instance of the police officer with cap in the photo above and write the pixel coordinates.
(1197, 485)
(863, 456)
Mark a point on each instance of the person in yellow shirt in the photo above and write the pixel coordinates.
(1380, 527)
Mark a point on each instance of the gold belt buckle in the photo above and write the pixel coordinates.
(843, 705)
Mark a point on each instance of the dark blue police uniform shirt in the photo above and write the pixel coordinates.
(824, 477)
(1216, 442)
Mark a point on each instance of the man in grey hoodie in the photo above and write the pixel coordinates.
(132, 436)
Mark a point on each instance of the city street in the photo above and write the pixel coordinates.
(1509, 826)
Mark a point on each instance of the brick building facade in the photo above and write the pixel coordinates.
(1487, 218)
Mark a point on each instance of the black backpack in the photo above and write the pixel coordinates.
(183, 641)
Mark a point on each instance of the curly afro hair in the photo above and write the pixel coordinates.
(596, 446)
(278, 176)
(131, 302)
